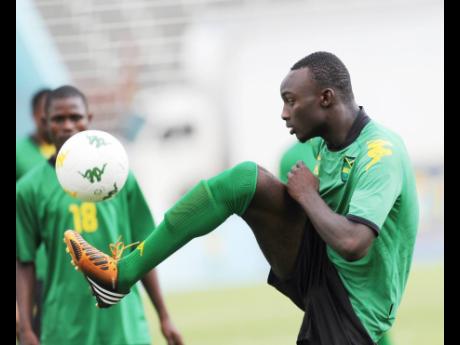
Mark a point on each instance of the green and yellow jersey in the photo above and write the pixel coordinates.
(43, 212)
(28, 155)
(296, 152)
(371, 181)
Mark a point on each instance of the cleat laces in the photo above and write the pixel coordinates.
(118, 247)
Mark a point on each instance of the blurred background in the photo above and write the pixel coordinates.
(191, 87)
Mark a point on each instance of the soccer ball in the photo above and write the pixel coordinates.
(92, 166)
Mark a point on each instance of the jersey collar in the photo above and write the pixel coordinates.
(360, 122)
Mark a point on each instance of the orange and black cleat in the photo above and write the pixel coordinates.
(99, 269)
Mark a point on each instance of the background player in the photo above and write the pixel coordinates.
(30, 151)
(44, 211)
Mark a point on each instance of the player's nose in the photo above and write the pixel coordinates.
(68, 125)
(285, 115)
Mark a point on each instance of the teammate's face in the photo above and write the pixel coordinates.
(66, 117)
(301, 110)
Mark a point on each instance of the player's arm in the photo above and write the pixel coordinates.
(27, 241)
(348, 238)
(152, 286)
(25, 285)
(17, 320)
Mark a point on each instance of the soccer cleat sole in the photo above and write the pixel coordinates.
(104, 298)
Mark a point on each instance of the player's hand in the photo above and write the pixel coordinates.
(28, 338)
(301, 182)
(171, 333)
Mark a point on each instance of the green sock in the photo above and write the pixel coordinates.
(201, 210)
(385, 340)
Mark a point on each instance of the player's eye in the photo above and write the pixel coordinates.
(76, 117)
(57, 119)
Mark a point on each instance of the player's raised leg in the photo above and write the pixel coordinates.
(277, 222)
(246, 190)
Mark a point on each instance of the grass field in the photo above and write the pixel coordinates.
(258, 315)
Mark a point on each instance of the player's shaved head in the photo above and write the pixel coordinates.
(328, 71)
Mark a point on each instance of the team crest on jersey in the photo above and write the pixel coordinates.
(348, 163)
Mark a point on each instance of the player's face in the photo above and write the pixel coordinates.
(301, 110)
(66, 117)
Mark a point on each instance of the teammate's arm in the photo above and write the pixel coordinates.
(17, 320)
(350, 239)
(152, 286)
(25, 285)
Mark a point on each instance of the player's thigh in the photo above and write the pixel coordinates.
(277, 222)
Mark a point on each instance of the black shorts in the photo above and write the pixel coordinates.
(316, 288)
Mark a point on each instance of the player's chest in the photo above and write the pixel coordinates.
(60, 211)
(335, 171)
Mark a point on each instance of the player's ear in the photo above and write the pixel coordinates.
(327, 97)
(90, 117)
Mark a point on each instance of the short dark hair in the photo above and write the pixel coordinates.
(36, 98)
(328, 71)
(64, 91)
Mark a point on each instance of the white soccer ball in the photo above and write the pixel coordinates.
(92, 166)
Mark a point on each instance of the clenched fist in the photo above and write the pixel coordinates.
(301, 182)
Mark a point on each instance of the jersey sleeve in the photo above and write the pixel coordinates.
(27, 231)
(141, 219)
(379, 182)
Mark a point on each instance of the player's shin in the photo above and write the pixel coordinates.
(197, 213)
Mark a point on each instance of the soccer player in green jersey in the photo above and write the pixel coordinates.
(30, 151)
(339, 239)
(43, 212)
(36, 147)
(304, 152)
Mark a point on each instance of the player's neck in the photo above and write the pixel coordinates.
(340, 123)
(39, 139)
